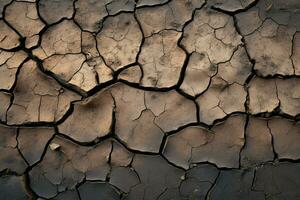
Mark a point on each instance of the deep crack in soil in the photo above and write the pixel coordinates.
(149, 99)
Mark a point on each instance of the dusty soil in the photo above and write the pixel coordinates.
(150, 99)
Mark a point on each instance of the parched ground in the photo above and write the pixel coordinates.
(150, 99)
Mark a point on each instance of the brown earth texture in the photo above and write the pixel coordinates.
(150, 99)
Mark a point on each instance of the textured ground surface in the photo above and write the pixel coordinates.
(150, 99)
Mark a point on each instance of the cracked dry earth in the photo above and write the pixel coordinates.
(150, 99)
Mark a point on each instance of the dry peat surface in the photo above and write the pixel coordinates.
(150, 99)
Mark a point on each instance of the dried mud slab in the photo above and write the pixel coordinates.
(22, 147)
(200, 72)
(142, 117)
(220, 146)
(119, 40)
(89, 9)
(296, 53)
(274, 180)
(124, 178)
(132, 74)
(32, 142)
(9, 64)
(5, 99)
(271, 47)
(262, 96)
(9, 39)
(235, 184)
(220, 61)
(13, 187)
(285, 136)
(213, 34)
(10, 158)
(94, 63)
(171, 16)
(156, 175)
(64, 66)
(38, 98)
(161, 59)
(116, 6)
(289, 95)
(237, 69)
(63, 167)
(198, 181)
(53, 11)
(26, 22)
(269, 29)
(268, 94)
(120, 156)
(2, 5)
(84, 69)
(62, 38)
(143, 134)
(95, 116)
(97, 11)
(221, 100)
(168, 106)
(258, 143)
